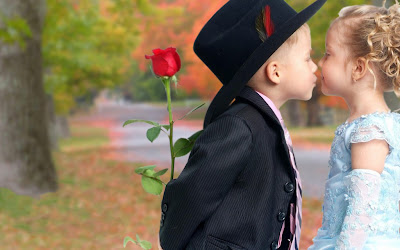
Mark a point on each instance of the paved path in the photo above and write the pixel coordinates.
(132, 145)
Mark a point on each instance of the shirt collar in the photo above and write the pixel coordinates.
(272, 106)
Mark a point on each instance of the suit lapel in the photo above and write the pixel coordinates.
(248, 95)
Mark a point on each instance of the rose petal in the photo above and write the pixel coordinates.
(160, 65)
(171, 64)
(148, 57)
(170, 49)
(157, 51)
(178, 61)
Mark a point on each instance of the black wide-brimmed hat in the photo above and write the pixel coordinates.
(231, 47)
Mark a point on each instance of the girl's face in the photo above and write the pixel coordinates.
(336, 66)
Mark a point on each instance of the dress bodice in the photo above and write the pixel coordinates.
(384, 213)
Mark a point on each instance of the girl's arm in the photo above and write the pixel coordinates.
(363, 188)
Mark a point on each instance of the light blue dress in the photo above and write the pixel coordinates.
(361, 207)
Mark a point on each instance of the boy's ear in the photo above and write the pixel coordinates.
(272, 72)
(359, 69)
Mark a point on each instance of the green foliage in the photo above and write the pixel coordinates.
(138, 120)
(14, 205)
(183, 146)
(143, 86)
(153, 133)
(191, 111)
(128, 239)
(142, 243)
(150, 179)
(87, 46)
(321, 21)
(15, 30)
(141, 170)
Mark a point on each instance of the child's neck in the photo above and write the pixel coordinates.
(366, 102)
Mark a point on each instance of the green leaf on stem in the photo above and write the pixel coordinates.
(128, 239)
(136, 120)
(153, 133)
(167, 127)
(152, 185)
(194, 137)
(143, 243)
(149, 173)
(182, 147)
(175, 80)
(141, 170)
(191, 111)
(160, 172)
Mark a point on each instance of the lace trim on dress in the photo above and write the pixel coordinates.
(363, 188)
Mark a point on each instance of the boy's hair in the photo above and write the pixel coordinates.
(373, 33)
(283, 51)
(292, 40)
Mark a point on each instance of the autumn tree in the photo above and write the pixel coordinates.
(180, 31)
(26, 165)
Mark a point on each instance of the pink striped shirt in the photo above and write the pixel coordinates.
(289, 143)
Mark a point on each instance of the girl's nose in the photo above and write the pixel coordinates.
(321, 62)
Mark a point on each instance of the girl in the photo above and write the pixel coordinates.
(362, 61)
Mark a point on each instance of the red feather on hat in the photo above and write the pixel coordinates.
(269, 25)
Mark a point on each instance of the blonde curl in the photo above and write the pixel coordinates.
(374, 33)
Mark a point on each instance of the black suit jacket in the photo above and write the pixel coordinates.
(237, 185)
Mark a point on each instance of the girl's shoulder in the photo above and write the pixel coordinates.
(378, 125)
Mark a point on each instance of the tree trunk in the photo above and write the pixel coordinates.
(313, 110)
(392, 101)
(26, 165)
(294, 113)
(51, 122)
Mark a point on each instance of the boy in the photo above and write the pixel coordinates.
(240, 188)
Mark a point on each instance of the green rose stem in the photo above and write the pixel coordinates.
(167, 84)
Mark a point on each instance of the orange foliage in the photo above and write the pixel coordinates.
(333, 102)
(180, 32)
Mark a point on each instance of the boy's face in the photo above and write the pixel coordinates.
(298, 77)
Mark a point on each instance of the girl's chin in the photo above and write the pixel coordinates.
(326, 91)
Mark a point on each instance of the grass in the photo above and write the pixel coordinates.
(84, 137)
(98, 203)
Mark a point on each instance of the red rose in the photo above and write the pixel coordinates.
(165, 62)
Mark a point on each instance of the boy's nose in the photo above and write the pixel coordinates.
(315, 67)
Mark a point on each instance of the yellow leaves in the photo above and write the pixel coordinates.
(63, 102)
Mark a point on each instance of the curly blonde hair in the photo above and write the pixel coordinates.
(373, 33)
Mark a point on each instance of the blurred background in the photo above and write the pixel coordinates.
(71, 73)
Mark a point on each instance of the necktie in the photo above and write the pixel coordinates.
(296, 236)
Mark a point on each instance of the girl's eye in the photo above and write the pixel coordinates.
(326, 54)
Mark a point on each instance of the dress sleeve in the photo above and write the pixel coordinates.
(377, 127)
(363, 188)
(366, 132)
